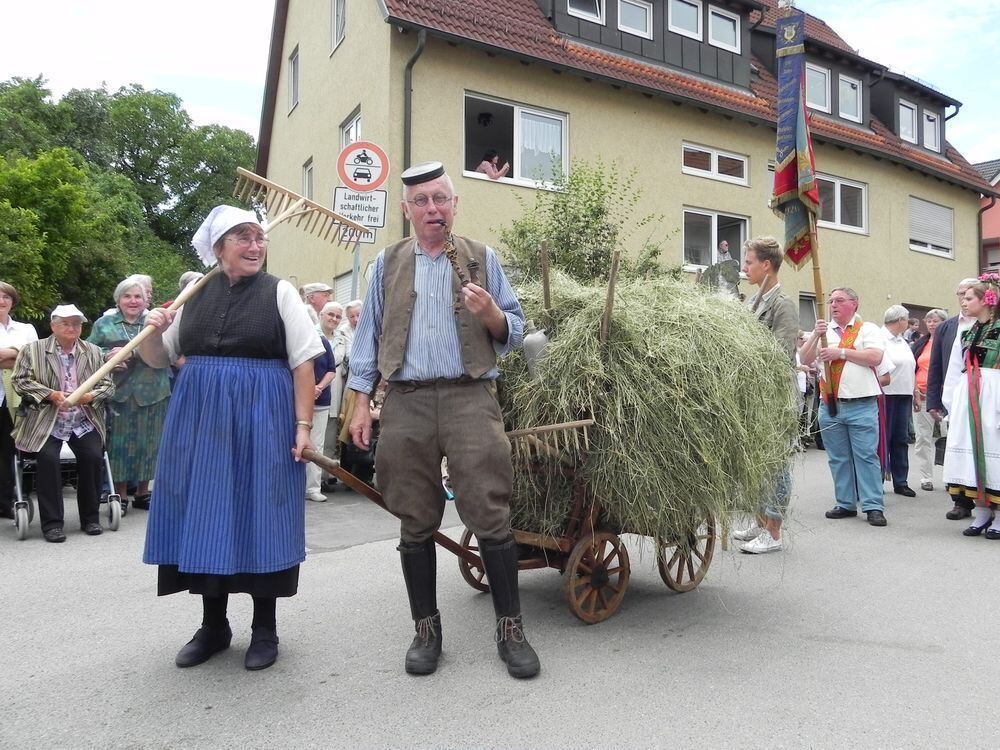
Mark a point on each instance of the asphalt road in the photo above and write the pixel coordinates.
(852, 637)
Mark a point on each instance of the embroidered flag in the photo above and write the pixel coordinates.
(796, 194)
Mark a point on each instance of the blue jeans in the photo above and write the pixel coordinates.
(776, 506)
(851, 442)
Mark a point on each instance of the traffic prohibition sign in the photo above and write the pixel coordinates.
(363, 166)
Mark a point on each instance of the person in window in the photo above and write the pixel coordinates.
(724, 254)
(229, 515)
(971, 470)
(45, 373)
(13, 336)
(851, 430)
(488, 166)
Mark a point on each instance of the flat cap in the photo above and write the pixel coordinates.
(316, 286)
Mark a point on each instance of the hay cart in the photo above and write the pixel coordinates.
(589, 550)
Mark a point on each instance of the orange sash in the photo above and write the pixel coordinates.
(830, 391)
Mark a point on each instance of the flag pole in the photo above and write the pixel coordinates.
(820, 305)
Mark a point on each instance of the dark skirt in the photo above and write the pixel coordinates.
(169, 580)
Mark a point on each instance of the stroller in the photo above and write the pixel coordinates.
(24, 507)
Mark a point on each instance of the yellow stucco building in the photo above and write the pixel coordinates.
(681, 91)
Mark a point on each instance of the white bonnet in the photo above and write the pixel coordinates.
(219, 221)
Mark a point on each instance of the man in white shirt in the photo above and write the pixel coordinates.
(13, 337)
(850, 435)
(899, 397)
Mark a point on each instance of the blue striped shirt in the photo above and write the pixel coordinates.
(433, 347)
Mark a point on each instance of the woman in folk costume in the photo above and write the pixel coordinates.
(849, 415)
(228, 514)
(972, 461)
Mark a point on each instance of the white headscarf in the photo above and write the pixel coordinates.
(219, 221)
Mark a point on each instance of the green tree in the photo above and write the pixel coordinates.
(29, 122)
(87, 113)
(587, 215)
(22, 260)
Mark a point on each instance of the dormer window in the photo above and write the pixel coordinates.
(850, 99)
(817, 87)
(636, 17)
(932, 131)
(907, 121)
(723, 29)
(588, 10)
(684, 17)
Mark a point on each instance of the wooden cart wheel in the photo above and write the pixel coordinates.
(474, 575)
(683, 566)
(597, 574)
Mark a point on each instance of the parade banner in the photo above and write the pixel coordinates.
(796, 195)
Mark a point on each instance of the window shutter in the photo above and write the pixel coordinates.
(342, 288)
(931, 224)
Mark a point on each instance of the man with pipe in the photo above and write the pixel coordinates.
(435, 337)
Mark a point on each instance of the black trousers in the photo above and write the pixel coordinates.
(899, 410)
(89, 452)
(6, 458)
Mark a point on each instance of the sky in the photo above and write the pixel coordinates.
(213, 53)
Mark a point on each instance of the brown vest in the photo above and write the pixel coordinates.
(398, 271)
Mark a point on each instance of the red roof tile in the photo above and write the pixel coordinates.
(816, 28)
(519, 27)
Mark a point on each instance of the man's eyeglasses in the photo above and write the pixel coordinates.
(247, 240)
(840, 300)
(422, 200)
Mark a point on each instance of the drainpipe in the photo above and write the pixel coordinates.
(957, 107)
(408, 108)
(979, 235)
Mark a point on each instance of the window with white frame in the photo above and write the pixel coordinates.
(851, 100)
(350, 131)
(338, 17)
(817, 87)
(684, 17)
(293, 79)
(843, 204)
(589, 10)
(703, 161)
(636, 17)
(932, 131)
(907, 121)
(723, 29)
(932, 228)
(307, 178)
(532, 140)
(705, 231)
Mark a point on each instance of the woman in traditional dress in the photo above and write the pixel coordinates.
(229, 514)
(137, 410)
(972, 460)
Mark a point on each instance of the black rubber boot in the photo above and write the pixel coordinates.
(500, 561)
(420, 573)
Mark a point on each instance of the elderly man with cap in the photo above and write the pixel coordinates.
(436, 341)
(228, 514)
(45, 373)
(316, 295)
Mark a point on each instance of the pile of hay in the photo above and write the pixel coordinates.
(693, 399)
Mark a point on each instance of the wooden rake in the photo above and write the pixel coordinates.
(275, 201)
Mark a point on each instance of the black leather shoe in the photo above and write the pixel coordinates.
(6, 510)
(958, 513)
(206, 643)
(840, 512)
(54, 535)
(876, 518)
(263, 651)
(93, 529)
(423, 654)
(141, 502)
(993, 533)
(904, 490)
(514, 649)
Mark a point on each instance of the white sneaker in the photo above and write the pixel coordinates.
(748, 534)
(316, 497)
(763, 544)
